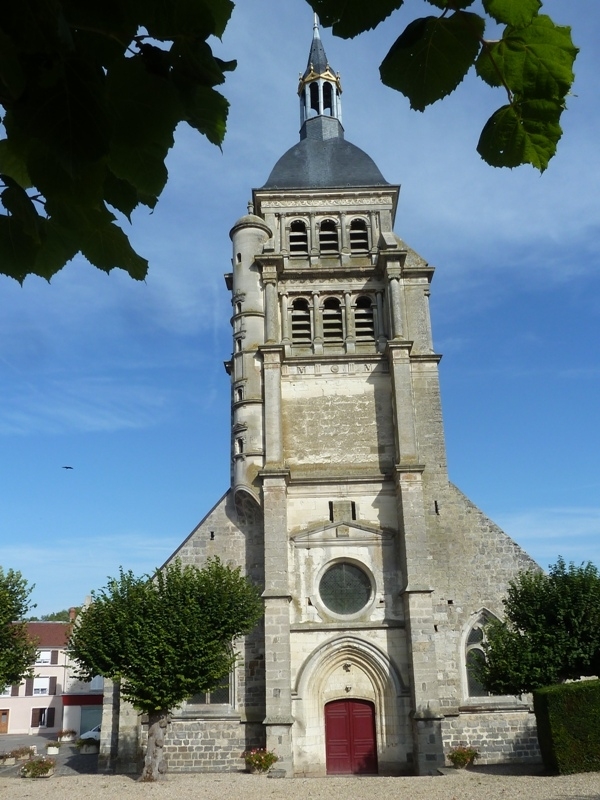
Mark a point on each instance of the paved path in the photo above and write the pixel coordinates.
(68, 762)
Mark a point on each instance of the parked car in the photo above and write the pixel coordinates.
(93, 734)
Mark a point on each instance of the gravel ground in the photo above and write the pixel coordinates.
(455, 785)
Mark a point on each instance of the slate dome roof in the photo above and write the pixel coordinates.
(319, 164)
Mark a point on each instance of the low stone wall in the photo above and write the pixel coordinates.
(213, 745)
(499, 736)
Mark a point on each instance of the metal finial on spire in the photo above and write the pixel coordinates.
(316, 26)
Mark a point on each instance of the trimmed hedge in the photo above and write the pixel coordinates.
(568, 726)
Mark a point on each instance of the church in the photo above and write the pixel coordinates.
(377, 573)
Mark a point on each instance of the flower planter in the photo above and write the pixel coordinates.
(8, 761)
(89, 749)
(53, 751)
(48, 774)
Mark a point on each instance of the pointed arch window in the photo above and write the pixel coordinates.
(298, 238)
(328, 236)
(333, 326)
(301, 327)
(474, 652)
(363, 319)
(359, 238)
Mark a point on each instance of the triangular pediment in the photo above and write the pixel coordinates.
(342, 532)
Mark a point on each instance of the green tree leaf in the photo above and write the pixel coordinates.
(12, 77)
(206, 110)
(517, 13)
(202, 18)
(453, 5)
(17, 202)
(17, 249)
(534, 61)
(351, 17)
(13, 163)
(522, 133)
(432, 56)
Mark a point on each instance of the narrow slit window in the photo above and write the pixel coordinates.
(328, 236)
(301, 328)
(363, 319)
(333, 327)
(298, 238)
(239, 395)
(359, 239)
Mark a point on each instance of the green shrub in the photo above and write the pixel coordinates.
(37, 767)
(567, 723)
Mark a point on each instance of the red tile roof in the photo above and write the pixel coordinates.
(49, 634)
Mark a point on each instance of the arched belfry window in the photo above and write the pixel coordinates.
(328, 236)
(301, 329)
(474, 653)
(298, 238)
(363, 319)
(328, 98)
(314, 98)
(359, 239)
(333, 327)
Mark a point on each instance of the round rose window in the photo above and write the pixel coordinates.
(345, 589)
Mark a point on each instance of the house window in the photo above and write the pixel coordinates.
(298, 238)
(345, 588)
(47, 657)
(42, 717)
(333, 327)
(6, 692)
(363, 319)
(97, 683)
(328, 237)
(41, 686)
(301, 328)
(474, 652)
(359, 239)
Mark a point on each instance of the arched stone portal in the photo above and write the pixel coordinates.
(350, 668)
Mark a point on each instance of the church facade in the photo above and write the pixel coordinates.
(377, 573)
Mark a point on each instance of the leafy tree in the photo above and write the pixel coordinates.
(551, 631)
(532, 62)
(17, 651)
(165, 638)
(92, 92)
(56, 616)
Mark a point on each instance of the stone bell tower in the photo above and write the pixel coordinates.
(338, 438)
(337, 430)
(377, 574)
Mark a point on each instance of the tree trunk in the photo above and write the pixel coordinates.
(155, 764)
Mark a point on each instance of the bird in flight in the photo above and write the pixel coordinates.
(67, 467)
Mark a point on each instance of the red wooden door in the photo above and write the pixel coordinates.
(350, 737)
(4, 720)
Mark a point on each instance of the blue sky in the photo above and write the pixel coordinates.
(124, 381)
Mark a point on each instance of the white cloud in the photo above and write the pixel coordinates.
(547, 533)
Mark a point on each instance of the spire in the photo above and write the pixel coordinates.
(319, 88)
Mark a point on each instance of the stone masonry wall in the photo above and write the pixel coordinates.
(205, 745)
(500, 737)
